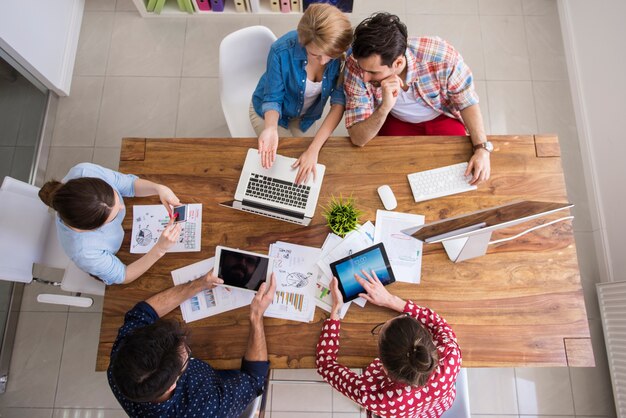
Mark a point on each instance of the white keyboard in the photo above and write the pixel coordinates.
(440, 182)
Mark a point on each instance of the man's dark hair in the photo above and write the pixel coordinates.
(149, 361)
(407, 351)
(382, 34)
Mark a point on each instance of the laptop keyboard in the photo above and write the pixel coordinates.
(278, 191)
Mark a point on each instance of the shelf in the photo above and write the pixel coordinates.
(171, 10)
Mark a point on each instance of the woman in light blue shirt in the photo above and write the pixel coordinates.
(90, 209)
(303, 71)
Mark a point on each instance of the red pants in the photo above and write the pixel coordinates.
(441, 125)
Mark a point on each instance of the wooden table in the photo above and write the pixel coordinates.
(519, 305)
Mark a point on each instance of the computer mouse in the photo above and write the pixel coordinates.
(387, 197)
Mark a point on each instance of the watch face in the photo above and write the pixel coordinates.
(489, 146)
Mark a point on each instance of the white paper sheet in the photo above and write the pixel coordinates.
(323, 298)
(404, 252)
(296, 277)
(355, 241)
(150, 220)
(209, 302)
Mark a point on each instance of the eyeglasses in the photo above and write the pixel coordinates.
(377, 328)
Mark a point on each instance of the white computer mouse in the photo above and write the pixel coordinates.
(387, 196)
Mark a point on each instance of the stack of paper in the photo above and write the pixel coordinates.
(209, 302)
(150, 220)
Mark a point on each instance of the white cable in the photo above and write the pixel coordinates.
(530, 230)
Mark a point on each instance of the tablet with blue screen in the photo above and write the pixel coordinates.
(372, 258)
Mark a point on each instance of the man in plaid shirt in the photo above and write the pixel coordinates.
(400, 86)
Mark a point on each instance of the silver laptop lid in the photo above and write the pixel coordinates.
(260, 209)
(282, 171)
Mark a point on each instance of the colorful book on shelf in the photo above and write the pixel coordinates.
(158, 7)
(217, 5)
(255, 6)
(296, 6)
(343, 5)
(285, 6)
(240, 6)
(150, 5)
(202, 6)
(275, 5)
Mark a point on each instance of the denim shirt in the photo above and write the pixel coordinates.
(282, 86)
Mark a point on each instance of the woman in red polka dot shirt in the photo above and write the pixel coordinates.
(418, 361)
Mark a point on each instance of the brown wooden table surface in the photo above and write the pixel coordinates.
(519, 305)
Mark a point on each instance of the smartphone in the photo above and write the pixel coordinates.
(180, 214)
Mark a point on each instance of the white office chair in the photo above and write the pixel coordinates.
(461, 406)
(28, 236)
(243, 58)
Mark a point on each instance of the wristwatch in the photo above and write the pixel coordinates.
(487, 145)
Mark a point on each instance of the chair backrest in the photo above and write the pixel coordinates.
(24, 226)
(243, 58)
(461, 406)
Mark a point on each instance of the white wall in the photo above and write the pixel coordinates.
(594, 34)
(42, 35)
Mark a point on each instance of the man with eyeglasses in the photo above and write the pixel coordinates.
(419, 358)
(152, 372)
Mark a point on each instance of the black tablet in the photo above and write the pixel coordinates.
(241, 269)
(372, 258)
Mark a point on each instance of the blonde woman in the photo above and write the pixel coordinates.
(304, 70)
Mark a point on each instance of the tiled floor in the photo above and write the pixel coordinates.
(149, 77)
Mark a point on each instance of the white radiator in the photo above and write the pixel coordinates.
(612, 300)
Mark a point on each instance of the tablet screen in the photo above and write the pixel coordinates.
(372, 258)
(243, 270)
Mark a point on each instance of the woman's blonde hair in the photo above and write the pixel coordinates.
(326, 27)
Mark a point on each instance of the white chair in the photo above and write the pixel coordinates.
(28, 236)
(461, 406)
(243, 58)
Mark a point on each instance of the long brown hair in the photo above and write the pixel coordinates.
(326, 27)
(83, 203)
(407, 351)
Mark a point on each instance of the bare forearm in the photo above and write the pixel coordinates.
(362, 132)
(328, 126)
(396, 303)
(271, 119)
(164, 302)
(257, 347)
(145, 188)
(473, 120)
(135, 269)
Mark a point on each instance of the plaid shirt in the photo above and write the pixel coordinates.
(439, 76)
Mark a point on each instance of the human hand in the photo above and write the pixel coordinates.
(391, 89)
(268, 143)
(337, 299)
(308, 164)
(376, 292)
(168, 198)
(263, 298)
(480, 166)
(169, 236)
(209, 280)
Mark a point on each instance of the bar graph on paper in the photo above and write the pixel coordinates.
(289, 302)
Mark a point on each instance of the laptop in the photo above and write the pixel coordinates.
(272, 192)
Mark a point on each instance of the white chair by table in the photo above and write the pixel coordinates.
(243, 58)
(461, 406)
(28, 236)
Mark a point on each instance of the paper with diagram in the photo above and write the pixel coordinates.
(212, 301)
(296, 277)
(404, 251)
(150, 220)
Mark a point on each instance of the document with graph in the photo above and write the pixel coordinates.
(296, 278)
(150, 220)
(208, 302)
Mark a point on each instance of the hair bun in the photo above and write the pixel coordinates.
(48, 191)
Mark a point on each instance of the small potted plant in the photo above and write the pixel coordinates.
(341, 215)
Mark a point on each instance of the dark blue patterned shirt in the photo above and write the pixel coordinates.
(201, 390)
